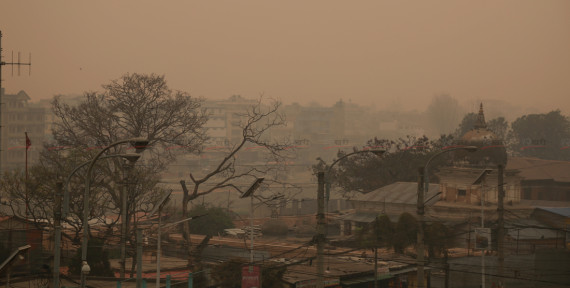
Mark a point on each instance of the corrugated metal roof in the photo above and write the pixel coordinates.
(359, 217)
(365, 279)
(562, 211)
(399, 192)
(539, 169)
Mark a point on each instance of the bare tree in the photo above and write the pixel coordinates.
(135, 105)
(229, 172)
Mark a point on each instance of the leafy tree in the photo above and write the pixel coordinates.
(466, 125)
(385, 228)
(98, 260)
(498, 125)
(542, 135)
(438, 238)
(216, 219)
(228, 274)
(365, 172)
(274, 227)
(379, 233)
(406, 232)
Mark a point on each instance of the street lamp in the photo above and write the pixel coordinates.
(481, 180)
(158, 244)
(422, 189)
(376, 152)
(131, 157)
(249, 193)
(321, 210)
(17, 255)
(158, 208)
(139, 144)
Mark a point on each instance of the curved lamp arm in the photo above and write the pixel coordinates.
(131, 157)
(378, 153)
(140, 145)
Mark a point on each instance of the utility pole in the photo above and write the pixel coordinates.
(446, 267)
(501, 222)
(12, 63)
(57, 231)
(125, 215)
(376, 252)
(483, 226)
(139, 257)
(320, 229)
(420, 244)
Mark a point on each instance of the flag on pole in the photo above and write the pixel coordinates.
(28, 142)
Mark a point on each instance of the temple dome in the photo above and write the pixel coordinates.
(491, 148)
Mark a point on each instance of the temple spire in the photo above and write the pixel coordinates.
(480, 123)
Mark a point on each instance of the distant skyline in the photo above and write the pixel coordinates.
(375, 53)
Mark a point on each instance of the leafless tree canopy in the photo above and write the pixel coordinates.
(229, 172)
(135, 105)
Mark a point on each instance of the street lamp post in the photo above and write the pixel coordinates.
(139, 144)
(158, 244)
(423, 187)
(481, 180)
(124, 214)
(323, 178)
(132, 157)
(249, 193)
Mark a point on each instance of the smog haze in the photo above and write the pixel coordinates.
(385, 54)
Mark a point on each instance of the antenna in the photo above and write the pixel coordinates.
(20, 63)
(12, 63)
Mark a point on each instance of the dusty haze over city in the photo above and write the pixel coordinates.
(384, 54)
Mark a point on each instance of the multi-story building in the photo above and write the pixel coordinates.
(19, 117)
(225, 117)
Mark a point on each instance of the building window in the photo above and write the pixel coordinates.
(461, 192)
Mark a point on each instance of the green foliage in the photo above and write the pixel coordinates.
(98, 259)
(438, 237)
(364, 172)
(466, 125)
(376, 234)
(542, 135)
(386, 230)
(216, 220)
(405, 233)
(274, 227)
(228, 274)
(498, 125)
(305, 230)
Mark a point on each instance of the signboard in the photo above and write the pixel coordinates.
(482, 238)
(250, 277)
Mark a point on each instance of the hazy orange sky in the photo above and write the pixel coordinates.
(369, 52)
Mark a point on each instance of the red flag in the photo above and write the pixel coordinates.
(28, 142)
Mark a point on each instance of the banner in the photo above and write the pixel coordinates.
(250, 277)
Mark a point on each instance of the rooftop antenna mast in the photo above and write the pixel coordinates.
(12, 63)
